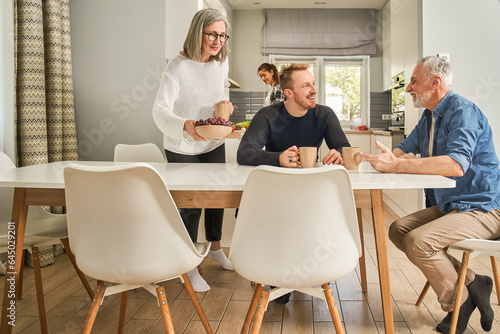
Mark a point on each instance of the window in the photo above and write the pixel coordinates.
(342, 83)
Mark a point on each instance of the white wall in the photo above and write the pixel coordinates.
(470, 33)
(118, 59)
(247, 56)
(7, 78)
(178, 20)
(245, 51)
(118, 55)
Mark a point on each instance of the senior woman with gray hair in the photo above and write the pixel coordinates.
(191, 85)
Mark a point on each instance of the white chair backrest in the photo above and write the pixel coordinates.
(5, 161)
(124, 226)
(296, 227)
(6, 196)
(148, 152)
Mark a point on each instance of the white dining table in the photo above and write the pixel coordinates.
(202, 186)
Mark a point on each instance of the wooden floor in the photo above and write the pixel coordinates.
(226, 303)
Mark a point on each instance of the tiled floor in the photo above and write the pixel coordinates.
(226, 303)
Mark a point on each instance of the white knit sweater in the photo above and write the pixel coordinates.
(189, 90)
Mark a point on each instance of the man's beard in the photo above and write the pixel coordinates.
(305, 103)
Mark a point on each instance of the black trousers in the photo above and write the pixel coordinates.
(191, 217)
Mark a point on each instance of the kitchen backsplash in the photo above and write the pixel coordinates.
(246, 104)
(380, 103)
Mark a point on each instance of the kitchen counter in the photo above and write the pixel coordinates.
(238, 134)
(374, 132)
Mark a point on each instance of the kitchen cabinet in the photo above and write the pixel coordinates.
(361, 140)
(388, 139)
(385, 140)
(231, 149)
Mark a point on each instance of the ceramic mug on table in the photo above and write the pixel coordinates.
(351, 157)
(308, 156)
(223, 110)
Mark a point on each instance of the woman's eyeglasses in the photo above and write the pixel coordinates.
(212, 36)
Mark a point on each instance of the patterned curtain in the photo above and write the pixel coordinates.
(46, 128)
(45, 113)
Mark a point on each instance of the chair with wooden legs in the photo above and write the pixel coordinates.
(362, 259)
(470, 248)
(126, 232)
(147, 152)
(42, 229)
(297, 230)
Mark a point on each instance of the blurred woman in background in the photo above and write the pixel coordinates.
(269, 74)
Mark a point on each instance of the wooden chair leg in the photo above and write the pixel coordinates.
(19, 290)
(165, 312)
(123, 312)
(334, 312)
(259, 315)
(251, 310)
(81, 275)
(196, 303)
(423, 293)
(460, 289)
(362, 262)
(39, 289)
(494, 267)
(89, 322)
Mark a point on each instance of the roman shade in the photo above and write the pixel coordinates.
(319, 32)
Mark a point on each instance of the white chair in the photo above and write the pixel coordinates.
(42, 229)
(296, 229)
(148, 152)
(470, 248)
(125, 230)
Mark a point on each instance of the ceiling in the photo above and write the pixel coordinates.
(260, 4)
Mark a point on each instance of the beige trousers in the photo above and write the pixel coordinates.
(423, 235)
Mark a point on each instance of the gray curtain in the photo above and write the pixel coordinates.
(319, 32)
(45, 115)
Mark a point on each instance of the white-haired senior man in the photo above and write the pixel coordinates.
(455, 140)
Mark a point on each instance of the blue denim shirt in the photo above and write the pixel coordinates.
(462, 132)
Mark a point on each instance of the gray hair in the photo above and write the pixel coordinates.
(438, 66)
(194, 38)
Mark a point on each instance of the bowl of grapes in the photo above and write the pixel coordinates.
(216, 128)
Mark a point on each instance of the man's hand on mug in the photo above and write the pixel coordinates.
(333, 157)
(290, 158)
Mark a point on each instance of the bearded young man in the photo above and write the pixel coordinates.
(298, 122)
(455, 140)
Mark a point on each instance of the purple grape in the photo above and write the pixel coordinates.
(217, 120)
